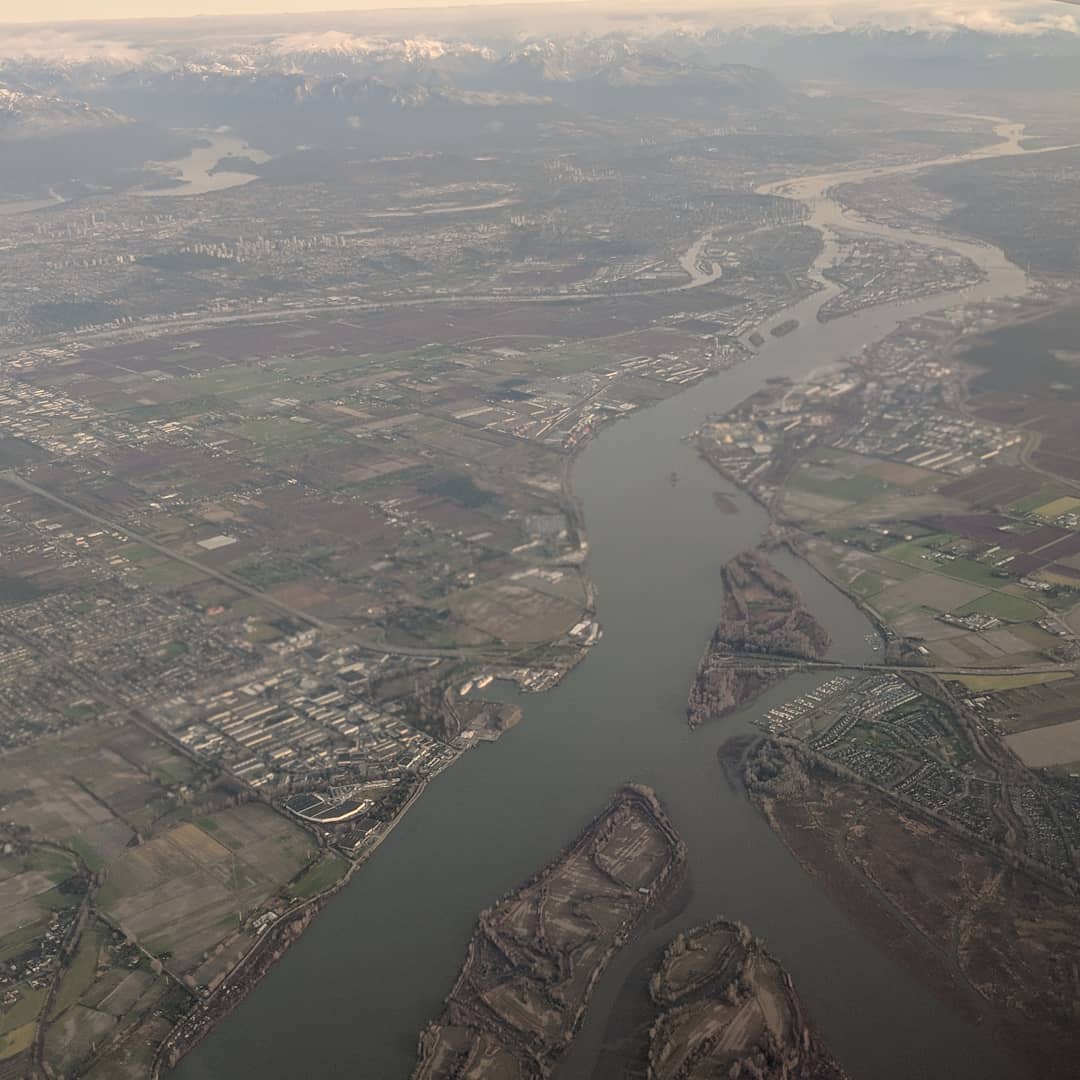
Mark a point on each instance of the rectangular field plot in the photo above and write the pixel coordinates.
(852, 477)
(916, 554)
(1040, 747)
(181, 892)
(1057, 507)
(984, 683)
(928, 590)
(1002, 606)
(836, 483)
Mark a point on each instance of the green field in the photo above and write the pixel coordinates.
(18, 941)
(308, 366)
(58, 866)
(867, 583)
(834, 483)
(915, 554)
(169, 573)
(999, 604)
(1064, 505)
(320, 876)
(55, 900)
(17, 1041)
(174, 409)
(1010, 682)
(1039, 498)
(573, 359)
(173, 771)
(279, 432)
(279, 439)
(89, 856)
(80, 974)
(234, 379)
(1002, 606)
(24, 1010)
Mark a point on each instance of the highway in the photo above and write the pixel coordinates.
(765, 660)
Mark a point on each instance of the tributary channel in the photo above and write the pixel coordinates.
(349, 999)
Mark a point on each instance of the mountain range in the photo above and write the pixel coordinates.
(29, 115)
(64, 81)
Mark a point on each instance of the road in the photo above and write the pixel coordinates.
(764, 660)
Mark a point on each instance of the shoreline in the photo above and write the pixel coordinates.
(285, 932)
(882, 923)
(796, 798)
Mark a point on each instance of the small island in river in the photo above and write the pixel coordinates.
(786, 327)
(535, 956)
(729, 1009)
(763, 615)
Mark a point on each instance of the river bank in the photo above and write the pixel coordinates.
(190, 1030)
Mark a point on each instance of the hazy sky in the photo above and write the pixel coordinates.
(46, 10)
(979, 14)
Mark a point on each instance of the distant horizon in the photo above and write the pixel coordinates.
(989, 14)
(74, 11)
(993, 16)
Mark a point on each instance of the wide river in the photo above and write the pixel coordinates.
(351, 996)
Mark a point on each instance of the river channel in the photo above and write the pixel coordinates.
(351, 996)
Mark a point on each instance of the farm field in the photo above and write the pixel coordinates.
(1056, 507)
(856, 478)
(1002, 606)
(319, 876)
(916, 554)
(982, 683)
(41, 893)
(929, 590)
(180, 892)
(107, 993)
(1058, 744)
(183, 867)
